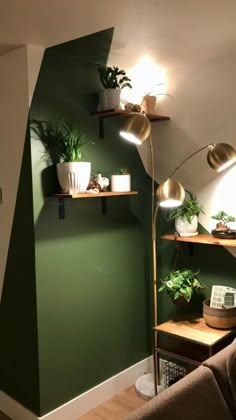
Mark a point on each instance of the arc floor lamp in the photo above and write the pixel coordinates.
(136, 128)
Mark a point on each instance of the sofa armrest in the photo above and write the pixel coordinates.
(223, 367)
(196, 397)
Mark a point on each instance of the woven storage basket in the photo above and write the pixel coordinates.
(219, 318)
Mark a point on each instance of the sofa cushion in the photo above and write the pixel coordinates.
(223, 366)
(195, 397)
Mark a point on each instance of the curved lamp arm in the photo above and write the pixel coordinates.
(219, 157)
(209, 146)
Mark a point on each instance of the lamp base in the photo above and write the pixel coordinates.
(144, 386)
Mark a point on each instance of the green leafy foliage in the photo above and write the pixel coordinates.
(181, 283)
(123, 171)
(62, 140)
(224, 217)
(113, 78)
(187, 210)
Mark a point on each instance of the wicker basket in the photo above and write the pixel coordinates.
(219, 318)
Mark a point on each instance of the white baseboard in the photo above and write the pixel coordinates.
(13, 409)
(84, 402)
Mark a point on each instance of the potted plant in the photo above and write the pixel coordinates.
(121, 181)
(186, 216)
(113, 80)
(180, 284)
(63, 143)
(222, 230)
(149, 99)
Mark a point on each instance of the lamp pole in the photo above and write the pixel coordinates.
(154, 210)
(136, 128)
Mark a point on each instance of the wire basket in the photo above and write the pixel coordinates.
(172, 372)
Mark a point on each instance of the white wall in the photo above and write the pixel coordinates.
(202, 111)
(34, 57)
(16, 93)
(13, 119)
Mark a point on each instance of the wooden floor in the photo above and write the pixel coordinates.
(117, 408)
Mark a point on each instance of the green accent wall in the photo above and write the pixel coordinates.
(19, 375)
(92, 277)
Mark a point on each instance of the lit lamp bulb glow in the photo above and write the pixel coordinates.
(130, 137)
(227, 165)
(135, 128)
(170, 193)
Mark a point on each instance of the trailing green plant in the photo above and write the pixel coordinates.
(62, 140)
(113, 78)
(187, 210)
(181, 283)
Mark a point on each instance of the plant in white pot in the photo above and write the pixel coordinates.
(113, 80)
(121, 181)
(186, 216)
(63, 143)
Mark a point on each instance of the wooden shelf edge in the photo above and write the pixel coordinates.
(207, 239)
(93, 195)
(119, 112)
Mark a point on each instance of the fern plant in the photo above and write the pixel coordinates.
(113, 78)
(62, 140)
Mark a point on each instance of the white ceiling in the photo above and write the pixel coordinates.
(169, 30)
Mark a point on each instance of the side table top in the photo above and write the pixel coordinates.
(194, 329)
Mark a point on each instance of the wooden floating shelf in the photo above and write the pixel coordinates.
(201, 239)
(103, 195)
(122, 112)
(94, 195)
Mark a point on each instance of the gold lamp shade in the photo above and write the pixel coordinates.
(221, 156)
(170, 193)
(135, 127)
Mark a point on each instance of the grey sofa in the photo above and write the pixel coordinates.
(207, 393)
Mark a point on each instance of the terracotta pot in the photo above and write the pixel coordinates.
(148, 104)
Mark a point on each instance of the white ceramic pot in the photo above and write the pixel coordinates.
(120, 183)
(109, 99)
(73, 177)
(148, 104)
(184, 228)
